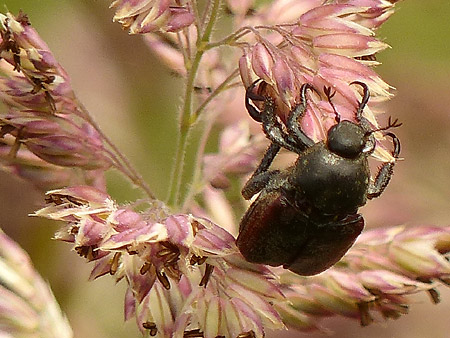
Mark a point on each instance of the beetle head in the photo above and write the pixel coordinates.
(347, 139)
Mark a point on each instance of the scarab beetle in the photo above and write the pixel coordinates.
(306, 216)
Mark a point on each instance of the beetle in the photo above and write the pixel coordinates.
(305, 217)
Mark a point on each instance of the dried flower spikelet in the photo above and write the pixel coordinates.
(379, 11)
(43, 175)
(184, 274)
(27, 166)
(333, 29)
(28, 307)
(245, 69)
(283, 11)
(376, 276)
(34, 80)
(144, 16)
(56, 139)
(42, 113)
(262, 62)
(333, 23)
(69, 151)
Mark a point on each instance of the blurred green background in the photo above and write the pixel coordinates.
(134, 99)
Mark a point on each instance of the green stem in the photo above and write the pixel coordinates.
(188, 119)
(230, 39)
(196, 180)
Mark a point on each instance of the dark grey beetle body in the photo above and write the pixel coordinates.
(331, 184)
(305, 217)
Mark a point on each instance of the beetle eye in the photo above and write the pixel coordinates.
(346, 139)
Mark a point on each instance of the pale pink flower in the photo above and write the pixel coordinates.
(240, 7)
(144, 16)
(184, 274)
(238, 154)
(43, 128)
(27, 305)
(376, 275)
(35, 80)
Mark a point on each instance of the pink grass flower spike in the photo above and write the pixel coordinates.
(178, 261)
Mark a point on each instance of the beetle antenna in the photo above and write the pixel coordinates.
(390, 124)
(330, 95)
(365, 99)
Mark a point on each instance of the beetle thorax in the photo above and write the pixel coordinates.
(330, 183)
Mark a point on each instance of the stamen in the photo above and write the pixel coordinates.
(193, 334)
(145, 268)
(249, 334)
(115, 263)
(208, 271)
(162, 277)
(151, 327)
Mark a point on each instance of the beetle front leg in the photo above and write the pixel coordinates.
(256, 183)
(364, 100)
(249, 95)
(267, 116)
(385, 172)
(293, 124)
(274, 131)
(381, 180)
(261, 176)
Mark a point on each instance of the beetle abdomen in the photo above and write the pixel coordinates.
(325, 245)
(271, 231)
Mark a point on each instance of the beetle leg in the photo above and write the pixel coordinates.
(303, 141)
(257, 183)
(381, 180)
(261, 176)
(267, 116)
(268, 158)
(385, 172)
(365, 99)
(250, 95)
(274, 130)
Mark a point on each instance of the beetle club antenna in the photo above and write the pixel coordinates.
(390, 124)
(330, 95)
(395, 140)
